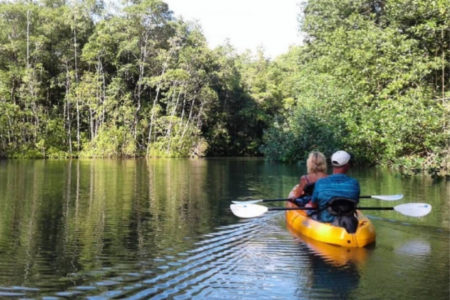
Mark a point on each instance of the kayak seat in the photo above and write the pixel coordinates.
(339, 206)
(344, 210)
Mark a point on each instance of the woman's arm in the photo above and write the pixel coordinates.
(297, 192)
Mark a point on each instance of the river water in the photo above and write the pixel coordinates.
(162, 229)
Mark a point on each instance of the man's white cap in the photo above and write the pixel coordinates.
(340, 158)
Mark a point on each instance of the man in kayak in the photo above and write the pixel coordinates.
(336, 185)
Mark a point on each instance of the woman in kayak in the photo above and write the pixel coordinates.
(316, 166)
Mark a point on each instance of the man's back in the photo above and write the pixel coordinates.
(336, 185)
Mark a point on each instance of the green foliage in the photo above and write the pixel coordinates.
(123, 85)
(247, 103)
(111, 142)
(304, 130)
(376, 72)
(180, 140)
(372, 77)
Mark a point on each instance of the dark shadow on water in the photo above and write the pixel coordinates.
(334, 271)
(340, 281)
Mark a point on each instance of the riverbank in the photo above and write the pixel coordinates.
(433, 165)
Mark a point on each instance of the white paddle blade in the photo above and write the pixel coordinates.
(248, 210)
(388, 197)
(413, 209)
(247, 202)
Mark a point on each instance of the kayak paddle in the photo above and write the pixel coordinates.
(378, 197)
(385, 197)
(250, 210)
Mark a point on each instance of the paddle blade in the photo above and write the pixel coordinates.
(388, 197)
(248, 201)
(248, 210)
(413, 209)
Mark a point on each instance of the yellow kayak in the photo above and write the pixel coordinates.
(299, 222)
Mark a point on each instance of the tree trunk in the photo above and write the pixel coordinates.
(28, 38)
(76, 80)
(443, 64)
(139, 85)
(67, 109)
(158, 88)
(91, 123)
(189, 119)
(169, 130)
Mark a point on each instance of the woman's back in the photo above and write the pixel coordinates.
(317, 167)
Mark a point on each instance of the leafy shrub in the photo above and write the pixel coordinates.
(111, 142)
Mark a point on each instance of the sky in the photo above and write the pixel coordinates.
(247, 24)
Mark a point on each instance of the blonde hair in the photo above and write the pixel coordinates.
(316, 162)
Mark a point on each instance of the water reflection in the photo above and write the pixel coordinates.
(331, 281)
(415, 248)
(76, 216)
(161, 229)
(184, 273)
(332, 254)
(333, 271)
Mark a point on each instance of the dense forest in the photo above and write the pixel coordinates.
(80, 80)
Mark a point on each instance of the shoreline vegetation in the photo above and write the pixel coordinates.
(371, 77)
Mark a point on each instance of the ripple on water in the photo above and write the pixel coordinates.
(259, 257)
(213, 260)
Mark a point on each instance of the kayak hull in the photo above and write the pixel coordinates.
(299, 222)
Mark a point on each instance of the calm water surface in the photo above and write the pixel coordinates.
(162, 229)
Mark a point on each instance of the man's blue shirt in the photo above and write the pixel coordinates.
(336, 185)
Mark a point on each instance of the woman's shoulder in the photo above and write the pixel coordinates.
(304, 179)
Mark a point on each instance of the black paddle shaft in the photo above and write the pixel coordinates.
(314, 208)
(275, 200)
(375, 208)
